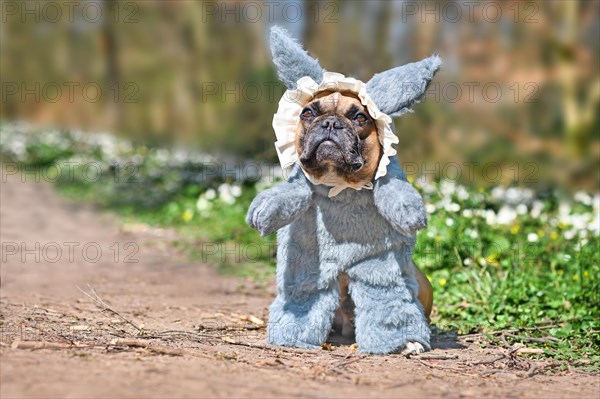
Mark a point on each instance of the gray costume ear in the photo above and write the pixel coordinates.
(396, 90)
(291, 60)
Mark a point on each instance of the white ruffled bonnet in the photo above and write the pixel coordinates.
(293, 102)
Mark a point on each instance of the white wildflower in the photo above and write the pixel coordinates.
(536, 208)
(203, 204)
(532, 237)
(498, 193)
(583, 197)
(594, 225)
(467, 213)
(462, 193)
(452, 207)
(225, 194)
(490, 217)
(521, 209)
(516, 195)
(425, 184)
(236, 190)
(564, 209)
(506, 215)
(447, 187)
(210, 194)
(449, 222)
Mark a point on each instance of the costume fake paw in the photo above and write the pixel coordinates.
(401, 205)
(276, 208)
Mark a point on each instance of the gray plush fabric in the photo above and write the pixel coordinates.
(368, 234)
(396, 90)
(291, 60)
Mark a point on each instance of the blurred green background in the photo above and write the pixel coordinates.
(520, 83)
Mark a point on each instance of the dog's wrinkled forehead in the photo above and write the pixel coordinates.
(336, 103)
(394, 91)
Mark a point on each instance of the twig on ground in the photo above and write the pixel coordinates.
(173, 333)
(166, 351)
(344, 362)
(490, 361)
(33, 345)
(529, 351)
(505, 342)
(101, 304)
(531, 339)
(139, 343)
(233, 328)
(434, 366)
(427, 356)
(536, 368)
(133, 343)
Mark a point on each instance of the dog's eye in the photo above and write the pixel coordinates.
(360, 118)
(307, 113)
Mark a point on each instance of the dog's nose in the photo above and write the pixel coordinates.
(331, 121)
(356, 166)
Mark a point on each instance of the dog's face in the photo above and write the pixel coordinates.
(336, 136)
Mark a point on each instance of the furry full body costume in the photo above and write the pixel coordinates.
(367, 234)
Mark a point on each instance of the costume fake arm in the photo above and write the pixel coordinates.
(281, 205)
(398, 201)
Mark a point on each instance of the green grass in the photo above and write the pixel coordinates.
(532, 270)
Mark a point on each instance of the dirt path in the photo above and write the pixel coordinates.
(83, 357)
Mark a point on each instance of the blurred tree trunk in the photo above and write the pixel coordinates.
(578, 111)
(382, 59)
(110, 49)
(321, 34)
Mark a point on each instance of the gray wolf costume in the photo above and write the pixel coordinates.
(365, 235)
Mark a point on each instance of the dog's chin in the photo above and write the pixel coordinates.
(329, 157)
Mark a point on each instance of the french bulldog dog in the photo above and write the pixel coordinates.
(344, 261)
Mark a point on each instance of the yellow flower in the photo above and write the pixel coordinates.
(559, 272)
(575, 277)
(586, 274)
(187, 216)
(515, 229)
(541, 233)
(442, 282)
(553, 235)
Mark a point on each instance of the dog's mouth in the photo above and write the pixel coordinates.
(324, 149)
